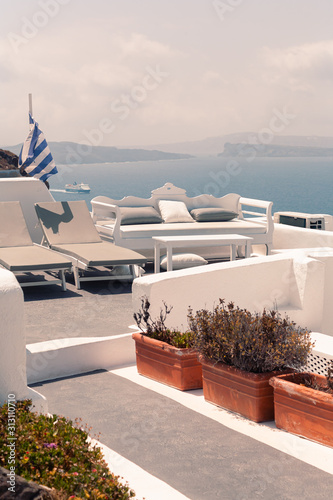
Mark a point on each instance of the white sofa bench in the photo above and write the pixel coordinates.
(108, 216)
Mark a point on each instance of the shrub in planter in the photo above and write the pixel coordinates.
(163, 354)
(246, 350)
(304, 405)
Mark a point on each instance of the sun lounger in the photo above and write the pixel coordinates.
(68, 228)
(20, 255)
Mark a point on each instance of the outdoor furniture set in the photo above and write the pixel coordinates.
(130, 232)
(173, 219)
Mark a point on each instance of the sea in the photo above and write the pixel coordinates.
(292, 184)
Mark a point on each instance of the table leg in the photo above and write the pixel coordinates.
(232, 251)
(157, 257)
(169, 257)
(248, 248)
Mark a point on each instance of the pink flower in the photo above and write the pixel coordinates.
(50, 445)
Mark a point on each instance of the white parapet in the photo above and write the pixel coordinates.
(72, 356)
(297, 282)
(13, 379)
(321, 355)
(288, 237)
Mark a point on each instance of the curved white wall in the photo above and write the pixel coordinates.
(12, 353)
(13, 378)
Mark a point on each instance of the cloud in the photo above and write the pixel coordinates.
(300, 66)
(140, 44)
(75, 82)
(213, 77)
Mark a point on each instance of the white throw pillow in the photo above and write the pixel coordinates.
(183, 260)
(174, 211)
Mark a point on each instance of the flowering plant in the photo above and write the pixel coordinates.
(55, 452)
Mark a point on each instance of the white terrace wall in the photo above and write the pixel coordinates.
(13, 379)
(12, 352)
(296, 283)
(285, 236)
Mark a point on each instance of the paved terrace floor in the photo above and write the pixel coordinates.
(98, 309)
(168, 444)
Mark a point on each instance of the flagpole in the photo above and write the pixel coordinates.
(30, 104)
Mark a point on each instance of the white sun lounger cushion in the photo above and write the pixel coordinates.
(100, 254)
(32, 258)
(69, 229)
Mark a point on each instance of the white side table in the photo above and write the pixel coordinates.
(171, 242)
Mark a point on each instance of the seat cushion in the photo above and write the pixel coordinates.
(67, 222)
(13, 227)
(32, 258)
(235, 226)
(101, 254)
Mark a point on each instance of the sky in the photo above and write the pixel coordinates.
(143, 72)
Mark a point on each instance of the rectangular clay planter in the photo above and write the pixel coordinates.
(301, 410)
(159, 361)
(248, 394)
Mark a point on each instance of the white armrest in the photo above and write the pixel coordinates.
(102, 210)
(264, 217)
(251, 202)
(105, 210)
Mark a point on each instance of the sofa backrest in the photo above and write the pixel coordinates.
(171, 192)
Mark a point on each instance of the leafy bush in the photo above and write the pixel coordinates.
(255, 343)
(156, 329)
(54, 452)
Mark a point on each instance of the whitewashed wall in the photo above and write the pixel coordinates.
(298, 283)
(285, 236)
(13, 379)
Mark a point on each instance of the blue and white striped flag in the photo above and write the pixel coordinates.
(35, 156)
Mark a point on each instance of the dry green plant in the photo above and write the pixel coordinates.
(329, 377)
(309, 380)
(252, 342)
(157, 329)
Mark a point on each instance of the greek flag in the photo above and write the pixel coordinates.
(35, 156)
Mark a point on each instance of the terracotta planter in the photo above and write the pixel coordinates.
(301, 410)
(248, 394)
(158, 360)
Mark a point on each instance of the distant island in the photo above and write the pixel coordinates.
(273, 150)
(214, 145)
(74, 153)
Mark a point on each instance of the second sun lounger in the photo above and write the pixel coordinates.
(68, 228)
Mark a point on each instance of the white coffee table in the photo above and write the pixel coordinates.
(171, 242)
